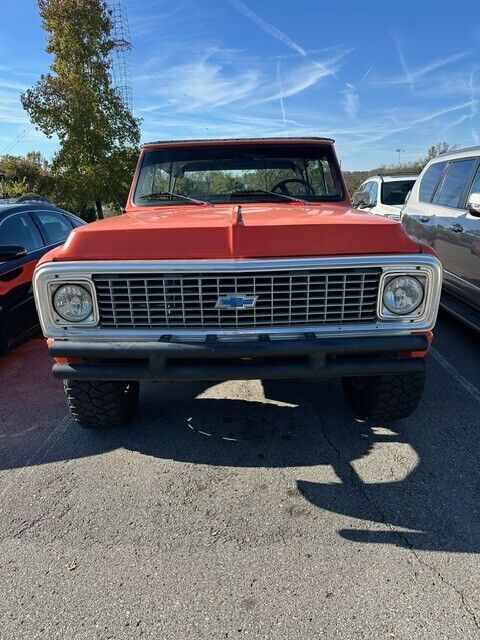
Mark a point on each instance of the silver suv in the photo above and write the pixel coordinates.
(444, 211)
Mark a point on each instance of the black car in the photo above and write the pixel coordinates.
(29, 227)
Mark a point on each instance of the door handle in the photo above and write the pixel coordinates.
(457, 228)
(11, 275)
(424, 219)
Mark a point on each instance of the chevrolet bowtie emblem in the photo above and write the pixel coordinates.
(235, 301)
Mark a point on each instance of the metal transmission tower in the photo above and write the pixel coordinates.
(121, 55)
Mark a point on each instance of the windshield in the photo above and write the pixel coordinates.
(396, 192)
(240, 173)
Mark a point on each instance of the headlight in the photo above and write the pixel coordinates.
(73, 302)
(402, 295)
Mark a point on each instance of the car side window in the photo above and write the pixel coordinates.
(57, 227)
(366, 186)
(430, 180)
(450, 193)
(19, 229)
(475, 188)
(76, 223)
(374, 193)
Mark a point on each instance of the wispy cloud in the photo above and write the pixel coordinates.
(408, 76)
(411, 77)
(219, 77)
(474, 104)
(455, 123)
(267, 27)
(366, 74)
(14, 86)
(280, 88)
(384, 129)
(351, 101)
(298, 78)
(210, 80)
(11, 111)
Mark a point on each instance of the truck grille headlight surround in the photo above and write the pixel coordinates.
(401, 283)
(73, 302)
(403, 295)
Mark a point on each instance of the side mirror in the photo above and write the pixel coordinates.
(11, 252)
(362, 199)
(473, 204)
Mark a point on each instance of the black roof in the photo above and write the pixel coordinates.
(27, 198)
(6, 207)
(269, 139)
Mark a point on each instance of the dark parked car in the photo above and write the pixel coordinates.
(444, 211)
(28, 229)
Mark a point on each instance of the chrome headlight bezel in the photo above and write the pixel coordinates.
(54, 316)
(425, 277)
(82, 293)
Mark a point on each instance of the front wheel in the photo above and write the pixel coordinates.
(98, 403)
(386, 397)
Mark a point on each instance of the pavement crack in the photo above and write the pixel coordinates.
(360, 487)
(444, 580)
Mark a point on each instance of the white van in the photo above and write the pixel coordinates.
(384, 195)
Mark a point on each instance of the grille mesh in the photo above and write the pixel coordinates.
(284, 298)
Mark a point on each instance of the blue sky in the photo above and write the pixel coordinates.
(376, 75)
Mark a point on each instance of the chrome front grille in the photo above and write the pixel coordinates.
(187, 300)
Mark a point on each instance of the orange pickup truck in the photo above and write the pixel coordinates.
(238, 259)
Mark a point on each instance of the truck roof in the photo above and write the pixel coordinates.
(226, 141)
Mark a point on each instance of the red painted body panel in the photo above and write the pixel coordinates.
(268, 230)
(24, 277)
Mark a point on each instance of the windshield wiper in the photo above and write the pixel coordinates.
(269, 193)
(160, 194)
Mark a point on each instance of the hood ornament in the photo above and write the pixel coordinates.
(239, 219)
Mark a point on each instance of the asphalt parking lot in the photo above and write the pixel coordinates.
(242, 509)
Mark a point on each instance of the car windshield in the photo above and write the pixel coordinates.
(238, 173)
(396, 191)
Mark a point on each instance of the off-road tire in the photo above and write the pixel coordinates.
(96, 404)
(386, 397)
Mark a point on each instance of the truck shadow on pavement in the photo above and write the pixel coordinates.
(422, 486)
(415, 484)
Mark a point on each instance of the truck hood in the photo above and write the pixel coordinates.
(258, 231)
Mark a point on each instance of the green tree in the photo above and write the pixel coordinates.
(439, 148)
(21, 175)
(77, 102)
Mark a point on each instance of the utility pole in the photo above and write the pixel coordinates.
(399, 151)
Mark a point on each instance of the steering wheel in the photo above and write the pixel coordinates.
(282, 186)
